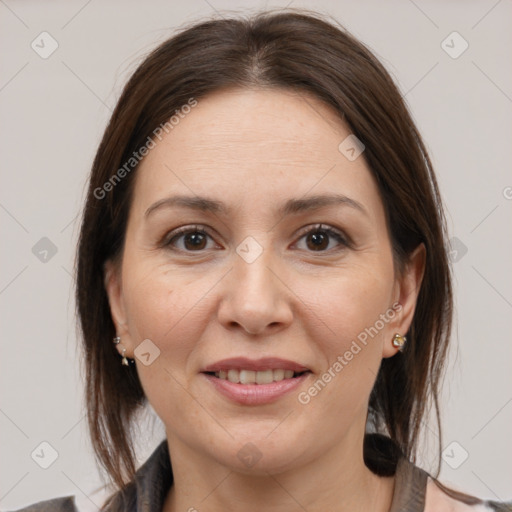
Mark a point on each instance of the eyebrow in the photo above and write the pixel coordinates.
(290, 207)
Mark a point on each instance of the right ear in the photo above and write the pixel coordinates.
(114, 288)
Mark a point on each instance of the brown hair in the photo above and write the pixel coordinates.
(303, 52)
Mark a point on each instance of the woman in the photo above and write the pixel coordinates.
(263, 260)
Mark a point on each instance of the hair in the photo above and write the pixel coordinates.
(301, 52)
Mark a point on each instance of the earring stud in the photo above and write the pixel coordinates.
(399, 341)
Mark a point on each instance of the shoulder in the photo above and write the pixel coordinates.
(416, 490)
(439, 498)
(65, 504)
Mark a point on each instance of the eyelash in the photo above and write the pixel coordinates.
(318, 228)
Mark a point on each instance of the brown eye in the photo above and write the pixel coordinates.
(194, 240)
(317, 241)
(323, 239)
(188, 240)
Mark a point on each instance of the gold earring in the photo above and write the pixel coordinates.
(399, 341)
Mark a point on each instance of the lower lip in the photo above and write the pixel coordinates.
(255, 394)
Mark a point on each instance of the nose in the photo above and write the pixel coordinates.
(255, 298)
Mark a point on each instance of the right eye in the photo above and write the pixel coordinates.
(188, 239)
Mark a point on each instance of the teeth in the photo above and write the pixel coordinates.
(252, 377)
(233, 376)
(247, 377)
(278, 374)
(265, 377)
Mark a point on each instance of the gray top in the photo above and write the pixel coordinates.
(148, 490)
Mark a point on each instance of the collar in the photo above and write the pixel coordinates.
(153, 480)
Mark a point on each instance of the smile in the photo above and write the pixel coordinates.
(255, 382)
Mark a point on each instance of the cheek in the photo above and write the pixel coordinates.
(349, 320)
(351, 302)
(168, 308)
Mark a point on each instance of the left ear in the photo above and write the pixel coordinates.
(407, 288)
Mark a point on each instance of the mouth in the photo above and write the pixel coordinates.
(255, 382)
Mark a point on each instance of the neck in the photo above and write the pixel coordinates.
(338, 481)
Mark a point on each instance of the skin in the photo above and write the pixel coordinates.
(254, 149)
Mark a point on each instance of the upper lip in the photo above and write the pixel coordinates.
(265, 363)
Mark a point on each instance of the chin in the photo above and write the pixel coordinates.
(259, 456)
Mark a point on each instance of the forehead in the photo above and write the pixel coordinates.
(254, 145)
(273, 124)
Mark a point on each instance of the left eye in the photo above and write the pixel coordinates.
(319, 238)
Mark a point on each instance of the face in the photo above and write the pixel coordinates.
(254, 244)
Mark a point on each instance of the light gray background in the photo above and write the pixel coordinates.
(54, 111)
